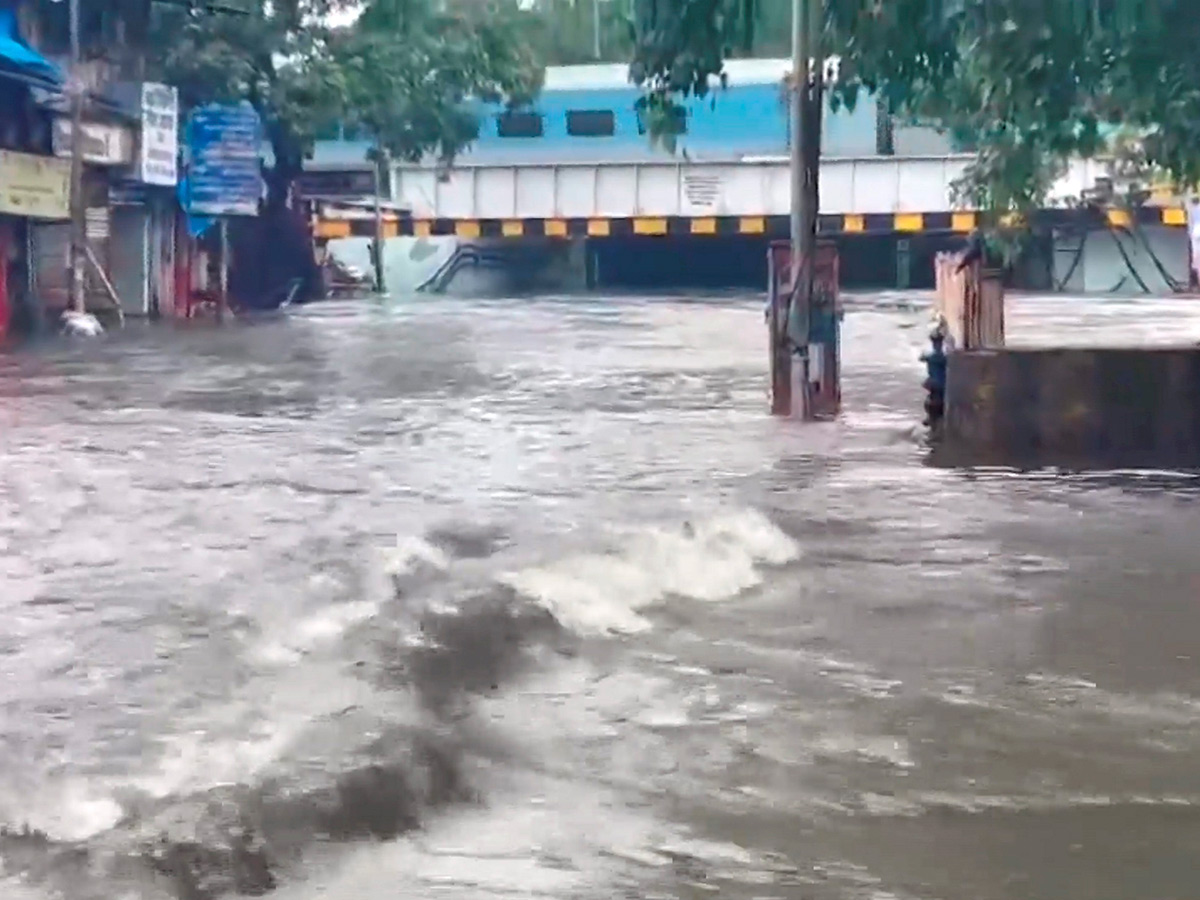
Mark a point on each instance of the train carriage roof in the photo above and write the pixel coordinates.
(607, 76)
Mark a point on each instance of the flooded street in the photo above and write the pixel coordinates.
(498, 599)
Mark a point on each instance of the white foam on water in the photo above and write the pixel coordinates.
(1046, 802)
(198, 760)
(411, 553)
(239, 742)
(888, 749)
(711, 560)
(69, 811)
(324, 627)
(16, 888)
(314, 631)
(536, 838)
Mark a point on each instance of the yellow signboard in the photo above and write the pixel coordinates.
(35, 187)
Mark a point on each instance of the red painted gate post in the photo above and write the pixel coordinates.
(779, 348)
(5, 300)
(824, 392)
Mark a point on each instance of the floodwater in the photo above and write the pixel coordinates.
(466, 599)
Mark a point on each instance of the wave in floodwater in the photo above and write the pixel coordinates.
(705, 651)
(357, 724)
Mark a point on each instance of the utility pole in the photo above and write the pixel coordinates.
(812, 124)
(800, 303)
(381, 163)
(78, 248)
(596, 29)
(800, 61)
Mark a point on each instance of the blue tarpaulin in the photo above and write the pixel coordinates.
(19, 60)
(197, 225)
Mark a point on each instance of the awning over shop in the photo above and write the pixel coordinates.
(20, 61)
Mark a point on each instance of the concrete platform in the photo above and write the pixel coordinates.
(1074, 407)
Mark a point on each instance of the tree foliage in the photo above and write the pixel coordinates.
(1033, 82)
(564, 32)
(412, 68)
(401, 68)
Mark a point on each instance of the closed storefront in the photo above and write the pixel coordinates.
(14, 277)
(143, 204)
(162, 255)
(130, 251)
(50, 250)
(33, 195)
(142, 248)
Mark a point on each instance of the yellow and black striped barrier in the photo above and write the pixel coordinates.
(714, 226)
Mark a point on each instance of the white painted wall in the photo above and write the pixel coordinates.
(1103, 270)
(408, 261)
(621, 190)
(752, 187)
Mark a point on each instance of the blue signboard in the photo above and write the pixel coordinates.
(225, 171)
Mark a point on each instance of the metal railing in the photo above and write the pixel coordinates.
(464, 255)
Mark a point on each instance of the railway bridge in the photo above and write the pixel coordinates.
(573, 189)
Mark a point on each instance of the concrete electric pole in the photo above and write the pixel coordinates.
(808, 23)
(596, 49)
(801, 54)
(78, 249)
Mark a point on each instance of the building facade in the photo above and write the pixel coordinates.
(129, 139)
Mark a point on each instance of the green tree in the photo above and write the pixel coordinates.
(412, 69)
(564, 32)
(403, 71)
(1032, 82)
(401, 68)
(276, 55)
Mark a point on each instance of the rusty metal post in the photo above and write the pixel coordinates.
(223, 296)
(823, 392)
(377, 242)
(779, 279)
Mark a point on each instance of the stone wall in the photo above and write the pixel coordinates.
(1077, 408)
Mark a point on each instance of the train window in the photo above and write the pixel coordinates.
(519, 125)
(678, 121)
(591, 122)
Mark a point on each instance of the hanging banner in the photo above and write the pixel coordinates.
(37, 187)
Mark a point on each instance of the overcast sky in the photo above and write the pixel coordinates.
(345, 17)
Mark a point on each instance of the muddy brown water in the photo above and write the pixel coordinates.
(463, 598)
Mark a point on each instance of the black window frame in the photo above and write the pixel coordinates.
(505, 121)
(682, 115)
(577, 117)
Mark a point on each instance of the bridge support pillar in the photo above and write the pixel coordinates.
(577, 261)
(903, 264)
(592, 265)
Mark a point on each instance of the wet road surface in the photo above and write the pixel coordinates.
(531, 599)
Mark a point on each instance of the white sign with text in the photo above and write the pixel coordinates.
(158, 159)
